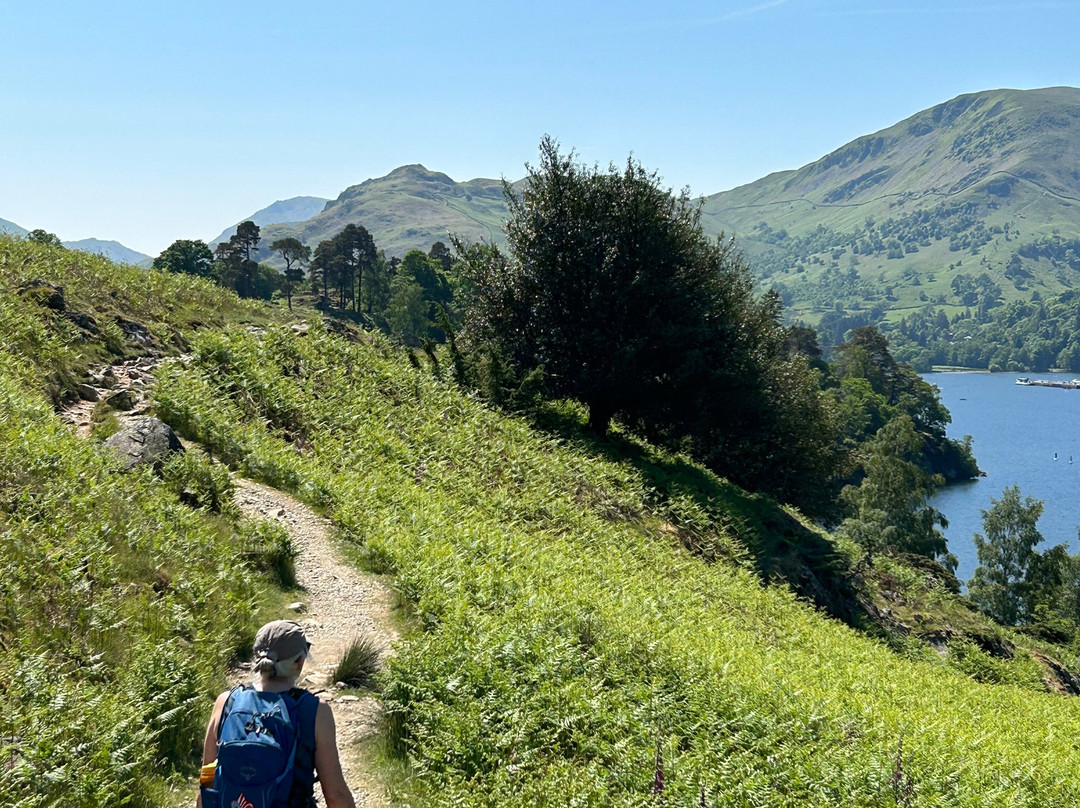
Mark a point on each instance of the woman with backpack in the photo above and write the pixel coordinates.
(266, 741)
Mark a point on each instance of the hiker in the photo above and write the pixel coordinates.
(271, 728)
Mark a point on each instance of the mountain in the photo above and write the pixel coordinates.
(287, 211)
(11, 227)
(110, 249)
(409, 208)
(987, 183)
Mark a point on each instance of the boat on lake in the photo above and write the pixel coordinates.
(1072, 384)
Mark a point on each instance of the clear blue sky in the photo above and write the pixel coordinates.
(150, 121)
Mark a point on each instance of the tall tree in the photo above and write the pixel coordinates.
(295, 254)
(357, 248)
(238, 268)
(890, 510)
(246, 242)
(441, 253)
(1006, 555)
(614, 290)
(44, 237)
(321, 268)
(187, 257)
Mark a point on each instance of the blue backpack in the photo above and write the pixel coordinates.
(266, 746)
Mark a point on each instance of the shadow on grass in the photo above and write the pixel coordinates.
(779, 547)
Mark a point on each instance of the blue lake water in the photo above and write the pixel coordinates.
(1016, 432)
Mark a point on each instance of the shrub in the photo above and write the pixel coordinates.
(268, 548)
(199, 482)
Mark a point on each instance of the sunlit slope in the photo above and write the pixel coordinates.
(120, 605)
(409, 208)
(972, 186)
(564, 631)
(982, 147)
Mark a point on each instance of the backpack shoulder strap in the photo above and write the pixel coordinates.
(307, 707)
(228, 706)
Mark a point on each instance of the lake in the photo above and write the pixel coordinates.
(1016, 430)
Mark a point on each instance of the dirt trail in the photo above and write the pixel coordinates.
(339, 603)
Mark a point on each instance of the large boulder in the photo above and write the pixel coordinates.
(144, 441)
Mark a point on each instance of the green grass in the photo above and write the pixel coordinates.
(565, 630)
(360, 663)
(122, 596)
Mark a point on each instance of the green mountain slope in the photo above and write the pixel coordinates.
(569, 629)
(409, 208)
(979, 182)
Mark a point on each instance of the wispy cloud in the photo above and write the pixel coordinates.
(750, 12)
(946, 8)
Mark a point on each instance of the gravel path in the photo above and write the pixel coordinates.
(340, 603)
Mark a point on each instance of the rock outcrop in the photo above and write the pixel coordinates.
(144, 440)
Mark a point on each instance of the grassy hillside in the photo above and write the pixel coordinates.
(581, 608)
(891, 218)
(119, 604)
(409, 208)
(572, 630)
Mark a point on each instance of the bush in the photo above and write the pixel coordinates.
(267, 548)
(199, 482)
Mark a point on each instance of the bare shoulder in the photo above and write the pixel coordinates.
(324, 717)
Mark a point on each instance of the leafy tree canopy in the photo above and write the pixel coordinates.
(40, 236)
(889, 510)
(614, 290)
(185, 257)
(1006, 555)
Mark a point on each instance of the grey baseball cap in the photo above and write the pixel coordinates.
(281, 640)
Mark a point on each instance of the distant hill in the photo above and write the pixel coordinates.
(988, 183)
(11, 227)
(409, 208)
(971, 203)
(284, 211)
(110, 249)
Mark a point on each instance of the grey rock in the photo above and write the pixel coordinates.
(87, 392)
(297, 607)
(144, 441)
(124, 400)
(135, 332)
(83, 321)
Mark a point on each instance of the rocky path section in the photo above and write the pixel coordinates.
(340, 604)
(123, 386)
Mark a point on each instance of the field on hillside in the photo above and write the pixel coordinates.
(569, 649)
(122, 596)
